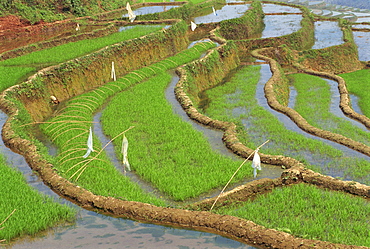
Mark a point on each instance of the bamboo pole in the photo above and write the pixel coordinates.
(236, 172)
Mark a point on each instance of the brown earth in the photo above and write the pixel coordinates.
(15, 32)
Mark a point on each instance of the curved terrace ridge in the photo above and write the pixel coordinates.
(295, 116)
(229, 226)
(344, 103)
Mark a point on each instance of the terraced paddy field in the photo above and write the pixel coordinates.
(148, 130)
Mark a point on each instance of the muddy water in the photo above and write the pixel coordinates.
(327, 34)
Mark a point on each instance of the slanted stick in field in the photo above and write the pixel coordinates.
(237, 172)
(5, 221)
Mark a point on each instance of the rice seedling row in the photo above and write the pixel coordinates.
(235, 101)
(356, 83)
(313, 103)
(69, 131)
(12, 75)
(33, 211)
(309, 212)
(73, 50)
(166, 150)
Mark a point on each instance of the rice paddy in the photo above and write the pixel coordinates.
(164, 149)
(73, 50)
(12, 75)
(26, 206)
(178, 161)
(356, 83)
(96, 173)
(309, 212)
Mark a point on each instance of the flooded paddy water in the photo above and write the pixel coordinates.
(97, 230)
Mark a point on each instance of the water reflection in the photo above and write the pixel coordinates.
(275, 8)
(327, 34)
(152, 9)
(98, 231)
(225, 13)
(362, 40)
(278, 25)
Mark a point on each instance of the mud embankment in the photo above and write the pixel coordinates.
(295, 116)
(229, 226)
(77, 76)
(85, 73)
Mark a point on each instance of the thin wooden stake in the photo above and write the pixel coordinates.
(236, 172)
(7, 217)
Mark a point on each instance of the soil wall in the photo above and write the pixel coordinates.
(85, 73)
(210, 70)
(302, 39)
(245, 27)
(335, 59)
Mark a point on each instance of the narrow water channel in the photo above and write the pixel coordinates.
(362, 40)
(290, 125)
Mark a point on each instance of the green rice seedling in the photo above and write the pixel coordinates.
(313, 103)
(255, 164)
(167, 151)
(235, 100)
(95, 172)
(310, 212)
(24, 211)
(356, 83)
(73, 50)
(12, 75)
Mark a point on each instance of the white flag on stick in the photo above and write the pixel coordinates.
(131, 14)
(256, 163)
(113, 72)
(124, 153)
(89, 145)
(193, 26)
(214, 11)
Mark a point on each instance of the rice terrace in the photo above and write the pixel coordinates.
(185, 124)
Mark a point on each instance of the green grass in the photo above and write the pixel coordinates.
(34, 211)
(100, 176)
(73, 50)
(358, 84)
(309, 212)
